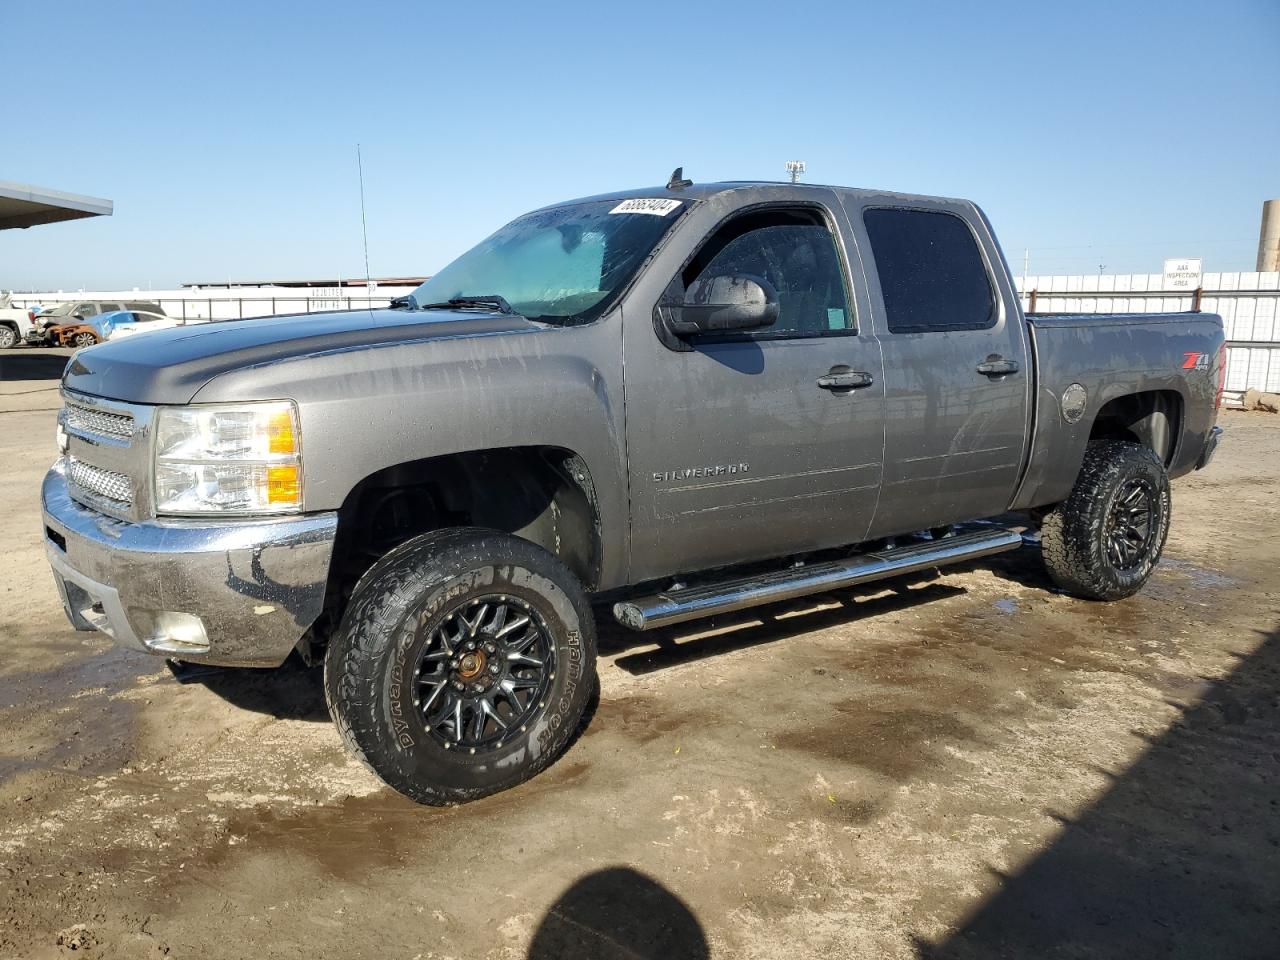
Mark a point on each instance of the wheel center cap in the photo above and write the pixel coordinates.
(471, 665)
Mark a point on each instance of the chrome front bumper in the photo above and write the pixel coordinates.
(229, 592)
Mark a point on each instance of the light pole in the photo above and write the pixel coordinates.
(794, 169)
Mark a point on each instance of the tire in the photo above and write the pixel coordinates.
(81, 340)
(8, 337)
(1094, 543)
(408, 622)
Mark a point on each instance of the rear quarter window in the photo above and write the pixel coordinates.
(932, 274)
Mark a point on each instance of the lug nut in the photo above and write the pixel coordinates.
(493, 668)
(490, 648)
(471, 644)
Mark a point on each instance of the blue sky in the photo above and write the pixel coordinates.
(1092, 133)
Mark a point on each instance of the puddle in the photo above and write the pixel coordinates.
(1198, 575)
(69, 719)
(356, 836)
(1006, 605)
(643, 718)
(891, 739)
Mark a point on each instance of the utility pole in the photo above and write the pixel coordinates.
(364, 229)
(794, 169)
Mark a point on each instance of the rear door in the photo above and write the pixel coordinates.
(956, 365)
(736, 449)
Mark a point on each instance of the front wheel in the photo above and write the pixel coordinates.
(464, 663)
(8, 337)
(1105, 539)
(84, 340)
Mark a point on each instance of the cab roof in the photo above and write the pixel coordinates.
(705, 191)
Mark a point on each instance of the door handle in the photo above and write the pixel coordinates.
(844, 380)
(996, 366)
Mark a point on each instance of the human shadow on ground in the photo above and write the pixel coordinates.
(619, 914)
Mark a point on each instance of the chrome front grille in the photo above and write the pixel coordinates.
(85, 420)
(108, 484)
(108, 454)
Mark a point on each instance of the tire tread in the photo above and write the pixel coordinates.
(1070, 530)
(354, 660)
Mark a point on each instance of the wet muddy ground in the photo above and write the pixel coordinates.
(967, 766)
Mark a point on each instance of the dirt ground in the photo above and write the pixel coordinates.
(964, 767)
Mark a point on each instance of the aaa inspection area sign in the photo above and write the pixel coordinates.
(1183, 273)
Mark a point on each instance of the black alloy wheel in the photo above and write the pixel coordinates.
(484, 672)
(1105, 539)
(464, 664)
(1131, 526)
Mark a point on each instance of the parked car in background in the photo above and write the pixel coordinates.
(113, 326)
(45, 325)
(16, 323)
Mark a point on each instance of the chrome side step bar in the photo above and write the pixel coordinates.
(689, 603)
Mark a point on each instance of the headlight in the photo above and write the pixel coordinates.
(244, 458)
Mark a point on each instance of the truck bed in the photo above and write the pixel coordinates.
(1113, 355)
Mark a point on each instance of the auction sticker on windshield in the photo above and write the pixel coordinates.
(657, 206)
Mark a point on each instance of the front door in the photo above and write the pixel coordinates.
(743, 446)
(957, 372)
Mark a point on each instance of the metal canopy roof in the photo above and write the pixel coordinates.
(22, 205)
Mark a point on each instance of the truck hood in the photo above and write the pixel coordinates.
(170, 366)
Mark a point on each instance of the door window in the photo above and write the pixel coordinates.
(86, 310)
(796, 253)
(931, 271)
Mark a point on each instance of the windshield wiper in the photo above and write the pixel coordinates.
(407, 302)
(455, 303)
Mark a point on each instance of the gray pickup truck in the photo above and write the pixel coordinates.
(669, 403)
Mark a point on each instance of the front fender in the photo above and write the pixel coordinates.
(367, 408)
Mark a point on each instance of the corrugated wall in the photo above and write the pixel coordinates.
(1248, 302)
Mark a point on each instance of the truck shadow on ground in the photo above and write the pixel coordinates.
(294, 691)
(32, 363)
(1179, 858)
(758, 626)
(619, 913)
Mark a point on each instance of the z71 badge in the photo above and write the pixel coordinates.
(1195, 361)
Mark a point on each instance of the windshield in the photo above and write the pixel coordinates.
(561, 265)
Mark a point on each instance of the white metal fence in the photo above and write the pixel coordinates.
(201, 305)
(1248, 302)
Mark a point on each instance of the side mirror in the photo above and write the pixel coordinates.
(722, 304)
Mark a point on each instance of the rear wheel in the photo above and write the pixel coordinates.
(464, 664)
(8, 337)
(84, 339)
(1105, 539)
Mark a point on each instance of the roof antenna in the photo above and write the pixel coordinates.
(677, 181)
